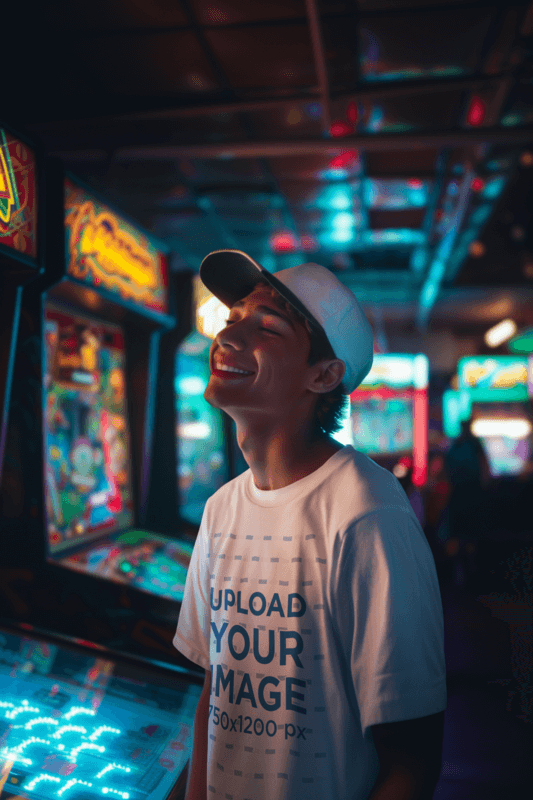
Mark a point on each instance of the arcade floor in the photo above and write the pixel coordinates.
(488, 735)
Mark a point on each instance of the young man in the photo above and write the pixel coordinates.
(312, 599)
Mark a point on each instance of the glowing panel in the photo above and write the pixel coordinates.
(522, 342)
(390, 410)
(202, 463)
(88, 488)
(391, 194)
(18, 195)
(398, 371)
(389, 236)
(105, 251)
(77, 725)
(491, 377)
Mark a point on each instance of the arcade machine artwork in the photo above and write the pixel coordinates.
(389, 412)
(19, 257)
(494, 393)
(89, 492)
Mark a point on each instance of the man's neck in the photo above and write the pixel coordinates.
(281, 457)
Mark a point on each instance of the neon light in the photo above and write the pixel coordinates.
(16, 758)
(522, 343)
(111, 767)
(76, 710)
(500, 333)
(283, 242)
(85, 746)
(68, 728)
(69, 784)
(32, 740)
(513, 427)
(420, 438)
(50, 778)
(104, 250)
(352, 112)
(340, 128)
(40, 721)
(102, 729)
(7, 195)
(21, 710)
(476, 111)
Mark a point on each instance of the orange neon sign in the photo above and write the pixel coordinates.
(105, 251)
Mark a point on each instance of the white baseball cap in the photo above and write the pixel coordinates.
(312, 290)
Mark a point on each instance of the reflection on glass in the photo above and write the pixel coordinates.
(202, 462)
(75, 724)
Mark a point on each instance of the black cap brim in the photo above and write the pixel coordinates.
(231, 275)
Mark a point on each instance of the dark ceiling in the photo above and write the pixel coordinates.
(390, 140)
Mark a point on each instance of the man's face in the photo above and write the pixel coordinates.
(263, 340)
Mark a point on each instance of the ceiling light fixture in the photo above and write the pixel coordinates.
(499, 333)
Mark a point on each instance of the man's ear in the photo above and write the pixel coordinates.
(327, 375)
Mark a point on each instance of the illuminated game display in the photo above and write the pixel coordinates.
(202, 462)
(87, 450)
(494, 395)
(104, 250)
(18, 195)
(92, 500)
(74, 724)
(88, 487)
(389, 412)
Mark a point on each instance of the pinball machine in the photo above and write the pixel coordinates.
(94, 698)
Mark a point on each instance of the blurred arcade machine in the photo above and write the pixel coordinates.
(389, 413)
(207, 452)
(21, 255)
(93, 699)
(494, 393)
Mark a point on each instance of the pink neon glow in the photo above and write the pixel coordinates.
(420, 437)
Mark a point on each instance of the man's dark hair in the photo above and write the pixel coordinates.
(330, 408)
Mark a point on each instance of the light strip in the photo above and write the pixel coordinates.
(514, 428)
(500, 332)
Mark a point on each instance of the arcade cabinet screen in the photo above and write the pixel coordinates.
(87, 453)
(382, 425)
(506, 455)
(202, 462)
(78, 726)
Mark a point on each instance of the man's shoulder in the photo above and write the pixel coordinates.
(366, 486)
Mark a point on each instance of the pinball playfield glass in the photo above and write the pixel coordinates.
(77, 725)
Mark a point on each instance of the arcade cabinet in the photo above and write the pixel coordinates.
(389, 412)
(20, 250)
(93, 698)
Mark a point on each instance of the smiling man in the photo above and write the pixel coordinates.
(312, 599)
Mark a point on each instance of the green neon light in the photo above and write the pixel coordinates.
(522, 343)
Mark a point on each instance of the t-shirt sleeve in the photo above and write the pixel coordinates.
(390, 619)
(194, 622)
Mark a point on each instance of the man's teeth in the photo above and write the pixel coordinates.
(224, 368)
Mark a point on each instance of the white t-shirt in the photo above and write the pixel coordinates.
(318, 611)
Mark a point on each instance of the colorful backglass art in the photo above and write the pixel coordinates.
(18, 195)
(383, 425)
(77, 725)
(107, 252)
(87, 451)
